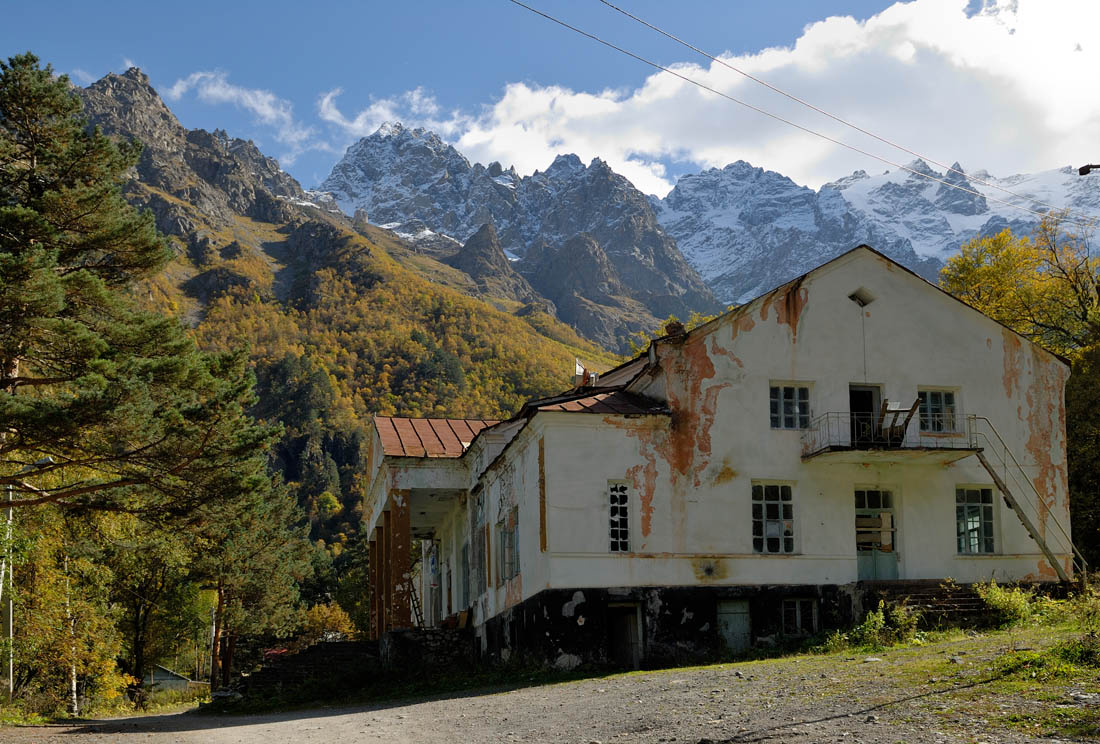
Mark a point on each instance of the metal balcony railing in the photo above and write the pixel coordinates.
(841, 430)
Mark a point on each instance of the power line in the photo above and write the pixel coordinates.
(823, 112)
(788, 122)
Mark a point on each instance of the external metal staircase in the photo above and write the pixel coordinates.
(1011, 479)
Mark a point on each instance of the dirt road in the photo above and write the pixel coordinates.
(912, 696)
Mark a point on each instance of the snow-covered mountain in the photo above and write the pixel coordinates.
(410, 181)
(746, 229)
(743, 229)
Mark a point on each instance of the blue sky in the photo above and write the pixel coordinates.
(306, 80)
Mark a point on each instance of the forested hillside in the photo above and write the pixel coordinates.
(191, 354)
(342, 320)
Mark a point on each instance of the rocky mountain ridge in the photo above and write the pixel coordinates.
(411, 181)
(743, 229)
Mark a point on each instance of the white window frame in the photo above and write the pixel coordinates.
(982, 507)
(927, 415)
(784, 518)
(777, 399)
(617, 500)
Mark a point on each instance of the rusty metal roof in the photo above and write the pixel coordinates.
(612, 401)
(427, 437)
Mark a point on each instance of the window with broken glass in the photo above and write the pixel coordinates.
(799, 616)
(974, 520)
(790, 406)
(937, 410)
(772, 518)
(618, 497)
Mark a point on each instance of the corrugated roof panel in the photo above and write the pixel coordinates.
(428, 437)
(391, 442)
(406, 437)
(452, 445)
(410, 442)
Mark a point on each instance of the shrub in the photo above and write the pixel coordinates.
(884, 626)
(1009, 605)
(326, 622)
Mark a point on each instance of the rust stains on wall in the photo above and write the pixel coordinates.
(1013, 360)
(788, 302)
(1039, 380)
(645, 488)
(742, 323)
(717, 350)
(650, 433)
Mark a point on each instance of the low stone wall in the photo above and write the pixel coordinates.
(425, 650)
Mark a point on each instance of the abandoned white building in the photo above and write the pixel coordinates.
(739, 480)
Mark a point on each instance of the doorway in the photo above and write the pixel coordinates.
(624, 642)
(876, 535)
(863, 405)
(734, 625)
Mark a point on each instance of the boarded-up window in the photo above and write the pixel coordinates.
(618, 497)
(974, 520)
(772, 518)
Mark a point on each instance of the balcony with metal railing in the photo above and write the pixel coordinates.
(845, 437)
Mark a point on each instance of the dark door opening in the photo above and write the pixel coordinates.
(624, 642)
(862, 405)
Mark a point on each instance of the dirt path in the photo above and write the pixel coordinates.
(913, 696)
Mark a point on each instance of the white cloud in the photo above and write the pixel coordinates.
(82, 76)
(1007, 85)
(268, 109)
(415, 107)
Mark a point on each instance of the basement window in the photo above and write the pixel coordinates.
(618, 498)
(974, 520)
(772, 518)
(799, 617)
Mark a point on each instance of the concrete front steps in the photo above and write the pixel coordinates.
(938, 602)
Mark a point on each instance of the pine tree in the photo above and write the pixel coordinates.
(133, 416)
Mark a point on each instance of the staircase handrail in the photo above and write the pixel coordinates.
(1006, 456)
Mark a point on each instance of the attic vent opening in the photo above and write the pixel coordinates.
(862, 297)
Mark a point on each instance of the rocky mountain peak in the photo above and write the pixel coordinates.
(920, 166)
(955, 200)
(128, 105)
(482, 255)
(565, 166)
(413, 175)
(483, 260)
(220, 176)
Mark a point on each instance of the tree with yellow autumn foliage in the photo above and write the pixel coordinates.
(1047, 287)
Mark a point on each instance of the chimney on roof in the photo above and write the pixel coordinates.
(583, 377)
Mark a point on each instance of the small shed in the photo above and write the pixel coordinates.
(163, 678)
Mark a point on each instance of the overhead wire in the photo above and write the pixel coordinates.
(823, 112)
(776, 117)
